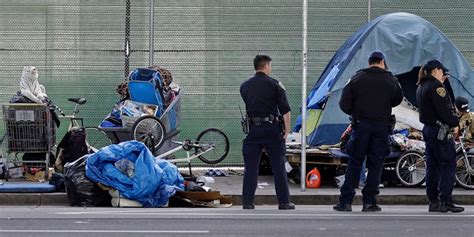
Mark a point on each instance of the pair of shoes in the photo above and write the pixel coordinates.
(248, 206)
(450, 206)
(371, 208)
(342, 207)
(286, 206)
(434, 206)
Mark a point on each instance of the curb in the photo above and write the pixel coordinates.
(34, 199)
(333, 199)
(60, 199)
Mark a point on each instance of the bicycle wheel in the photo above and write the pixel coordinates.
(465, 171)
(96, 139)
(411, 168)
(216, 142)
(149, 130)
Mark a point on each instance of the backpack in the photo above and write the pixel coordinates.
(72, 147)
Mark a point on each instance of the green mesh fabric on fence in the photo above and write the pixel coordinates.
(208, 45)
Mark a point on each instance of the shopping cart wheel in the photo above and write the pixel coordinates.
(217, 144)
(411, 168)
(96, 138)
(149, 130)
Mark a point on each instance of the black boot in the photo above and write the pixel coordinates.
(434, 206)
(342, 207)
(248, 206)
(371, 208)
(450, 206)
(286, 206)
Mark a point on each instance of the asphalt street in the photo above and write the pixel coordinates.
(397, 221)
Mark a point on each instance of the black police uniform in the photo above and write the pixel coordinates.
(264, 99)
(435, 105)
(368, 98)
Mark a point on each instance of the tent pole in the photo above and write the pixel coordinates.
(303, 96)
(369, 6)
(151, 37)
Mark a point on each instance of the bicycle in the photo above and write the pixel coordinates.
(411, 166)
(211, 147)
(95, 138)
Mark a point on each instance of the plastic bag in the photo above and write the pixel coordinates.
(80, 190)
(153, 182)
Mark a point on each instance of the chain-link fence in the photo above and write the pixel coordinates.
(80, 49)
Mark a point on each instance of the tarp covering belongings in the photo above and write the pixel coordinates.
(408, 41)
(132, 169)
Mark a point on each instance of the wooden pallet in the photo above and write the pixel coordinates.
(313, 156)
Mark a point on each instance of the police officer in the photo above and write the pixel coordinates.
(368, 97)
(438, 115)
(265, 100)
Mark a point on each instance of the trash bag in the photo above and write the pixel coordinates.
(153, 181)
(80, 190)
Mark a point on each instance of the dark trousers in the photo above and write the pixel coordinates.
(440, 165)
(368, 141)
(266, 136)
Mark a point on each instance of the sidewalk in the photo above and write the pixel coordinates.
(265, 194)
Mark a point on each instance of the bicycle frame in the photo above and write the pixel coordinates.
(182, 146)
(74, 121)
(463, 151)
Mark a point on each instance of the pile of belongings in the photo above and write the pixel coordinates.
(146, 91)
(407, 132)
(126, 172)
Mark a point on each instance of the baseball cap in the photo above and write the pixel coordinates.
(462, 104)
(377, 54)
(430, 65)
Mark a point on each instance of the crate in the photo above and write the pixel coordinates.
(29, 127)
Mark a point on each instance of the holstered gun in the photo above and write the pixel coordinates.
(443, 132)
(244, 122)
(282, 123)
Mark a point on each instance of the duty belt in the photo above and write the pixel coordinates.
(260, 120)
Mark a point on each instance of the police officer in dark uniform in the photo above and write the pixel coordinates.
(438, 116)
(368, 98)
(269, 117)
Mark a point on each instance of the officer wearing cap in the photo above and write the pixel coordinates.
(368, 97)
(265, 100)
(438, 116)
(466, 118)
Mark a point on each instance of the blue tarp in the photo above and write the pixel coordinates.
(153, 181)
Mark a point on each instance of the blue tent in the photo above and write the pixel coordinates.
(407, 41)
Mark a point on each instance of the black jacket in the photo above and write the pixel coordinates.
(370, 95)
(264, 96)
(434, 103)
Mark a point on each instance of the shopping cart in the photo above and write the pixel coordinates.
(29, 128)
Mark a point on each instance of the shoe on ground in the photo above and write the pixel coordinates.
(434, 207)
(286, 206)
(450, 206)
(342, 207)
(248, 206)
(371, 208)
